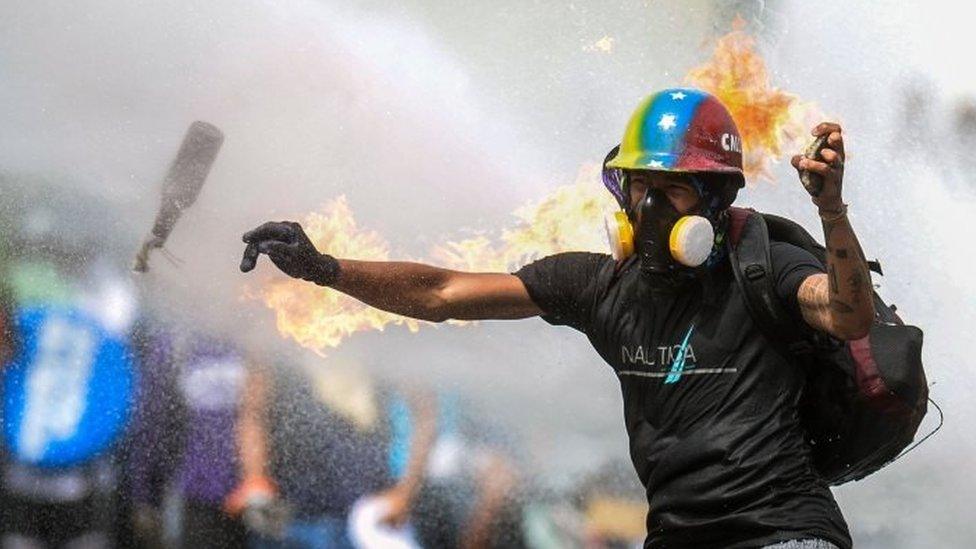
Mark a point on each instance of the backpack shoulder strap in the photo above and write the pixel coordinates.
(753, 269)
(737, 221)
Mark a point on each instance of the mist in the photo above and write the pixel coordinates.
(436, 120)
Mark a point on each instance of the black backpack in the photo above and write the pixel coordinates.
(864, 399)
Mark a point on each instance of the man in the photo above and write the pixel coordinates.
(710, 404)
(313, 442)
(193, 384)
(68, 375)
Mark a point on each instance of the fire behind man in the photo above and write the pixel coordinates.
(711, 406)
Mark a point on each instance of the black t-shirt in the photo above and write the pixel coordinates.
(710, 406)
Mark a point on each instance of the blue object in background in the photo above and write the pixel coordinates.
(69, 393)
(401, 428)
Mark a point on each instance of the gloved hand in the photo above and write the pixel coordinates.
(290, 249)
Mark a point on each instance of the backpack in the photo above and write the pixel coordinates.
(864, 399)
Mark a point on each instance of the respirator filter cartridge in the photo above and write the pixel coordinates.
(691, 240)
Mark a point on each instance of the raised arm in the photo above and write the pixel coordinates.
(410, 289)
(251, 429)
(839, 302)
(402, 496)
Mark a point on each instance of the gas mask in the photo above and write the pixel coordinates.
(665, 238)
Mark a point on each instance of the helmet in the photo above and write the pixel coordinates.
(679, 130)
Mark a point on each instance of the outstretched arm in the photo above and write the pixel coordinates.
(410, 289)
(431, 293)
(839, 302)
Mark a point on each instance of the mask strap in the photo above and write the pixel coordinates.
(703, 209)
(626, 204)
(613, 178)
(698, 184)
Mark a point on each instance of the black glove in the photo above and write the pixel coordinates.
(291, 251)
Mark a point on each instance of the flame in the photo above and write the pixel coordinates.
(569, 218)
(770, 120)
(317, 318)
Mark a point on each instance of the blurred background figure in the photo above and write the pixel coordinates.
(157, 436)
(614, 507)
(386, 517)
(211, 380)
(313, 441)
(917, 116)
(495, 520)
(454, 482)
(184, 448)
(605, 509)
(69, 376)
(964, 126)
(331, 459)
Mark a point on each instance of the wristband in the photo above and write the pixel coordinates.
(833, 215)
(328, 271)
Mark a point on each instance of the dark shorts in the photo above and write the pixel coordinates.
(53, 524)
(205, 526)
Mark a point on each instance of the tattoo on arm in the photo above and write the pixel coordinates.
(811, 291)
(846, 309)
(841, 307)
(814, 299)
(818, 302)
(856, 280)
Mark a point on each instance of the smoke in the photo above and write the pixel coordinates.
(435, 119)
(911, 191)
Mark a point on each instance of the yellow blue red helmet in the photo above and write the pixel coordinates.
(679, 130)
